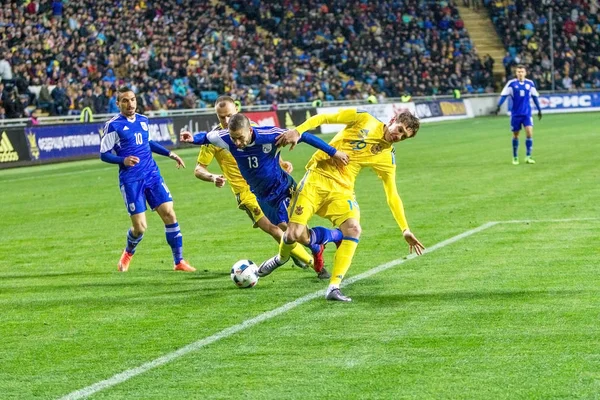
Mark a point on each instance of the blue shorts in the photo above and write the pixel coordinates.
(152, 190)
(517, 120)
(276, 210)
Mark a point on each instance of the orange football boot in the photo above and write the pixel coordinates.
(123, 264)
(184, 266)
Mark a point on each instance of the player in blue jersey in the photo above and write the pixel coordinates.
(521, 90)
(257, 157)
(126, 142)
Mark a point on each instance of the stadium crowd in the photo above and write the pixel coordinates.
(181, 53)
(524, 27)
(418, 47)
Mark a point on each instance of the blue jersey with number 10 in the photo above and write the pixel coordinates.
(130, 137)
(521, 93)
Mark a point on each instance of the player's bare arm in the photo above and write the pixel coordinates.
(178, 160)
(204, 174)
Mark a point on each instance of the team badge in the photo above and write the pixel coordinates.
(299, 210)
(256, 211)
(267, 148)
(132, 207)
(144, 125)
(528, 86)
(376, 148)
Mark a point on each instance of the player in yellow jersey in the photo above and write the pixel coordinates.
(328, 191)
(225, 108)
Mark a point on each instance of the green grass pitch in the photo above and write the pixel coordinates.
(508, 312)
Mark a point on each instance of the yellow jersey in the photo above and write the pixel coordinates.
(362, 139)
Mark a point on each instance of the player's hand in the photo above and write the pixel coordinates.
(291, 137)
(177, 159)
(219, 180)
(539, 115)
(340, 158)
(287, 166)
(186, 136)
(413, 243)
(130, 161)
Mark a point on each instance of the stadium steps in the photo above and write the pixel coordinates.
(484, 37)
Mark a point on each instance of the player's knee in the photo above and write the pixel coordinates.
(293, 233)
(139, 228)
(169, 216)
(352, 229)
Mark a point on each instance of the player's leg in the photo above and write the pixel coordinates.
(299, 211)
(343, 211)
(159, 198)
(135, 202)
(529, 142)
(343, 258)
(515, 126)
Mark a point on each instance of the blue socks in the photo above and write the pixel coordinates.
(515, 143)
(529, 146)
(132, 242)
(320, 235)
(175, 240)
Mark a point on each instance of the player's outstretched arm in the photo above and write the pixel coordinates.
(502, 100)
(537, 105)
(413, 242)
(178, 160)
(199, 138)
(201, 172)
(388, 177)
(159, 149)
(292, 136)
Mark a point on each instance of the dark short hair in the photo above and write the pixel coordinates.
(222, 100)
(123, 89)
(409, 121)
(522, 66)
(238, 121)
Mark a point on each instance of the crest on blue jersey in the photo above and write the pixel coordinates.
(144, 125)
(267, 148)
(528, 86)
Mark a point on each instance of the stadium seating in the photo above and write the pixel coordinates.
(419, 47)
(524, 27)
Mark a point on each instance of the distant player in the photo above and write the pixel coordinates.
(521, 90)
(139, 178)
(328, 191)
(225, 108)
(257, 158)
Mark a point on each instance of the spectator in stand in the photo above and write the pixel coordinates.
(13, 106)
(524, 28)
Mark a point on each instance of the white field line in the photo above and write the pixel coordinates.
(225, 333)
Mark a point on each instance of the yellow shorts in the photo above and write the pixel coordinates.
(317, 194)
(247, 201)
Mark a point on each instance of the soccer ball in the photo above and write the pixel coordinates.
(244, 274)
